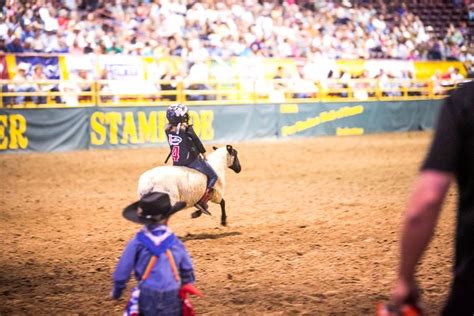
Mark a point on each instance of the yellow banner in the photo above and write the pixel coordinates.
(426, 69)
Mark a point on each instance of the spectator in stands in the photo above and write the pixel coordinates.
(301, 86)
(454, 36)
(174, 47)
(279, 78)
(451, 77)
(84, 83)
(456, 75)
(3, 27)
(83, 80)
(471, 11)
(238, 28)
(344, 81)
(21, 84)
(362, 86)
(38, 78)
(470, 69)
(106, 90)
(168, 83)
(77, 89)
(437, 81)
(197, 80)
(280, 85)
(387, 84)
(28, 45)
(15, 45)
(464, 29)
(409, 85)
(39, 40)
(69, 93)
(27, 31)
(435, 50)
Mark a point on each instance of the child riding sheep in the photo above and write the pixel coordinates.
(187, 149)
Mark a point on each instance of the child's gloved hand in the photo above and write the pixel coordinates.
(116, 293)
(189, 289)
(117, 289)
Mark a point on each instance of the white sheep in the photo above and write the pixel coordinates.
(184, 184)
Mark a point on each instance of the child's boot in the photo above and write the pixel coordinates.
(202, 203)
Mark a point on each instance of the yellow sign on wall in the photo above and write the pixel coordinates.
(121, 127)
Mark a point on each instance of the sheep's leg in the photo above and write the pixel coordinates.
(223, 215)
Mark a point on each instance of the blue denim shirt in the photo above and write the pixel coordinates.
(136, 258)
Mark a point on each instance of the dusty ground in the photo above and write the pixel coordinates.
(313, 228)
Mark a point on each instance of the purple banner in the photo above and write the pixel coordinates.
(50, 65)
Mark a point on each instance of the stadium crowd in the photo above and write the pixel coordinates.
(315, 32)
(222, 29)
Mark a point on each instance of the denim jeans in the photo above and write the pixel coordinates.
(21, 98)
(152, 302)
(204, 167)
(6, 100)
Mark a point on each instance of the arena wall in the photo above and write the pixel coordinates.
(64, 129)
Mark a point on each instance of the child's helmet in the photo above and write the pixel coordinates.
(177, 113)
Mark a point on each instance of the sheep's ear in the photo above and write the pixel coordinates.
(229, 149)
(214, 147)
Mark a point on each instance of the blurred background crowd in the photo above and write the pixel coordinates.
(201, 29)
(314, 31)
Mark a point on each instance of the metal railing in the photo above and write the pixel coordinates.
(60, 93)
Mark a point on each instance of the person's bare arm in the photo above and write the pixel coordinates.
(421, 216)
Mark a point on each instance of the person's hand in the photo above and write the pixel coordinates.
(405, 292)
(116, 293)
(204, 156)
(189, 289)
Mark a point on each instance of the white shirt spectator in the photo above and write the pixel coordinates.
(3, 27)
(456, 75)
(199, 73)
(284, 49)
(52, 43)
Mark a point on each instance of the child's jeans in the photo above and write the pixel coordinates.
(152, 302)
(204, 167)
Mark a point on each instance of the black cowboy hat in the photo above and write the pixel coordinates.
(151, 208)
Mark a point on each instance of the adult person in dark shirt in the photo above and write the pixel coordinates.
(187, 149)
(451, 156)
(15, 45)
(175, 48)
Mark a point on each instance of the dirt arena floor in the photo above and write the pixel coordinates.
(313, 228)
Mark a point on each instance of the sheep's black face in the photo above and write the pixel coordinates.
(233, 162)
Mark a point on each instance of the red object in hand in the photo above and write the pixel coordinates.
(406, 310)
(188, 309)
(188, 289)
